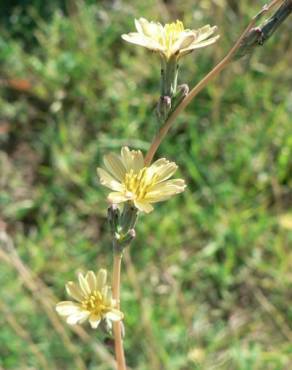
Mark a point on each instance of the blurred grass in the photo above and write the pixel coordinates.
(207, 283)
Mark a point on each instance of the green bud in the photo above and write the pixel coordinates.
(163, 108)
(127, 239)
(113, 216)
(128, 218)
(182, 92)
(257, 36)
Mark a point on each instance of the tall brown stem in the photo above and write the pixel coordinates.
(117, 328)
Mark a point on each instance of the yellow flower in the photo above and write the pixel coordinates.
(132, 181)
(172, 39)
(94, 301)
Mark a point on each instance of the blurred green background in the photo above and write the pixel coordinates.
(207, 283)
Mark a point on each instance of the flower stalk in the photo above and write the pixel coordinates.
(123, 232)
(169, 73)
(257, 36)
(209, 77)
(135, 182)
(117, 327)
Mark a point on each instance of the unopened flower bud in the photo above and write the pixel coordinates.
(129, 217)
(127, 239)
(113, 215)
(182, 92)
(163, 107)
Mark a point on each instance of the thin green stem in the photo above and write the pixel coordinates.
(169, 71)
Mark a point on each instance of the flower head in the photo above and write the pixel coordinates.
(172, 39)
(94, 301)
(132, 181)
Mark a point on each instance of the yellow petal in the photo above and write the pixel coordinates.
(66, 308)
(164, 190)
(143, 206)
(175, 184)
(74, 291)
(137, 39)
(204, 32)
(107, 180)
(163, 169)
(150, 29)
(83, 284)
(183, 42)
(139, 25)
(101, 279)
(77, 318)
(115, 166)
(114, 315)
(91, 280)
(117, 198)
(84, 318)
(107, 294)
(132, 159)
(160, 162)
(198, 45)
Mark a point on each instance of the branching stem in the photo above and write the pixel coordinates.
(209, 77)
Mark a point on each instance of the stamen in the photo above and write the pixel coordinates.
(95, 303)
(137, 185)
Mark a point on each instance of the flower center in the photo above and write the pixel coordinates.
(95, 303)
(171, 33)
(138, 184)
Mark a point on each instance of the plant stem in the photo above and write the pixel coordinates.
(209, 77)
(117, 328)
(169, 71)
